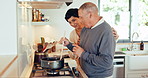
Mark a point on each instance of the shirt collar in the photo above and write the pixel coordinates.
(98, 23)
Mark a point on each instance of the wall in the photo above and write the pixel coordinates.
(57, 24)
(8, 29)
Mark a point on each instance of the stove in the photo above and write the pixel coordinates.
(39, 72)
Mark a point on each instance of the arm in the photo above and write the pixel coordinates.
(67, 43)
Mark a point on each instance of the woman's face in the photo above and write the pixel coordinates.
(75, 22)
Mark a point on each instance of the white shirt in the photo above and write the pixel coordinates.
(98, 23)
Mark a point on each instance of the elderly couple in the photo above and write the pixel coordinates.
(92, 41)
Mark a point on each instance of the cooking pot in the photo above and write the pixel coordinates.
(53, 63)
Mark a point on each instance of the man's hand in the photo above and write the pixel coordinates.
(64, 41)
(77, 50)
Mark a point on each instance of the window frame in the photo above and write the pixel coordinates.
(129, 40)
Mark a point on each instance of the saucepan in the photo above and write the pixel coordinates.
(54, 63)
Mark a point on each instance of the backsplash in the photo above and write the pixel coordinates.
(119, 46)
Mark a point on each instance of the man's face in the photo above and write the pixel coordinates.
(74, 22)
(83, 16)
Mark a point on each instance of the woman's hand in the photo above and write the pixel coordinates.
(64, 41)
(116, 36)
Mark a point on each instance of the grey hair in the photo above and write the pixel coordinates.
(89, 6)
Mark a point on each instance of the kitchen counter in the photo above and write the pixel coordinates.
(6, 62)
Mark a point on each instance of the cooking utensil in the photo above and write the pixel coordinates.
(42, 41)
(62, 45)
(45, 47)
(62, 50)
(49, 45)
(53, 63)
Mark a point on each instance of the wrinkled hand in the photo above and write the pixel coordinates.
(65, 40)
(77, 50)
(116, 36)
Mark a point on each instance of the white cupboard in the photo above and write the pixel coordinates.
(136, 66)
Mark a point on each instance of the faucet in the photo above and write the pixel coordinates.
(132, 47)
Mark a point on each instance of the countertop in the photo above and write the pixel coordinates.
(71, 62)
(6, 61)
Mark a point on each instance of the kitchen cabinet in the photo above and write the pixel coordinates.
(136, 66)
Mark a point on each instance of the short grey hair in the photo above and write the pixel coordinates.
(89, 6)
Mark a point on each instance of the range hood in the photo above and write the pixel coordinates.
(47, 4)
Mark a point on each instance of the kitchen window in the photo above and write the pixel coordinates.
(127, 17)
(139, 22)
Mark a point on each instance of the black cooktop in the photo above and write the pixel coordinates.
(38, 71)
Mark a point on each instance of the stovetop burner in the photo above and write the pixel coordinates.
(38, 71)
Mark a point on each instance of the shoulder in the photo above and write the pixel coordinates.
(73, 32)
(106, 26)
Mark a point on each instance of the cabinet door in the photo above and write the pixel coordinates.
(136, 66)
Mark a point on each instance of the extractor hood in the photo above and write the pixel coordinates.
(47, 4)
